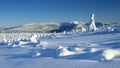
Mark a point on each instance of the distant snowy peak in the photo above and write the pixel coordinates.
(77, 22)
(56, 27)
(31, 24)
(33, 27)
(39, 23)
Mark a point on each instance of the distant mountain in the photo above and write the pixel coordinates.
(33, 28)
(69, 26)
(55, 27)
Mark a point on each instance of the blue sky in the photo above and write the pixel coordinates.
(17, 12)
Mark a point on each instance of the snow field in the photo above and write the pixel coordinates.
(56, 45)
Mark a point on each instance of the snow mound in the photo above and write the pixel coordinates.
(42, 44)
(110, 54)
(34, 38)
(62, 51)
(23, 43)
(77, 50)
(36, 54)
(95, 49)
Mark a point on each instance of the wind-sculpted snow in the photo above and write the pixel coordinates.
(77, 47)
(109, 54)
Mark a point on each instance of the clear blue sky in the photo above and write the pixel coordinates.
(17, 12)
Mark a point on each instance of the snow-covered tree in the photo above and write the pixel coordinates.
(92, 26)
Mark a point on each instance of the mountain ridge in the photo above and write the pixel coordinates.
(53, 27)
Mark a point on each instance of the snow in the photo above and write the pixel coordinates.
(110, 54)
(34, 38)
(23, 43)
(37, 54)
(61, 51)
(92, 24)
(75, 22)
(94, 49)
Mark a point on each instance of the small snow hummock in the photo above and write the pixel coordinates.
(23, 43)
(14, 46)
(109, 54)
(37, 54)
(94, 49)
(62, 51)
(34, 38)
(42, 43)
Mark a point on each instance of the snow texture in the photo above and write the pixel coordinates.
(66, 49)
(56, 50)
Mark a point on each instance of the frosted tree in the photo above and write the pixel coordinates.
(34, 38)
(92, 26)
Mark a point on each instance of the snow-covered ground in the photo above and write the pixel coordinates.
(100, 49)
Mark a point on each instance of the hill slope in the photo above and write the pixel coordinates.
(57, 27)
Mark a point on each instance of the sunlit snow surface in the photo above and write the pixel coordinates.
(60, 50)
